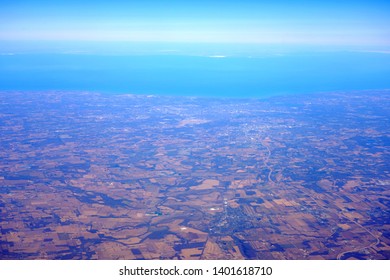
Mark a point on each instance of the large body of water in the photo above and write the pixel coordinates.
(197, 75)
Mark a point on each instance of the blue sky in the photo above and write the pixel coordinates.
(347, 24)
(297, 46)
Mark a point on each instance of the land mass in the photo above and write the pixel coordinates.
(91, 176)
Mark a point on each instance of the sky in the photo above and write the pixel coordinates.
(179, 47)
(339, 24)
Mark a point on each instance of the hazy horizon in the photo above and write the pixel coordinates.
(248, 27)
(197, 48)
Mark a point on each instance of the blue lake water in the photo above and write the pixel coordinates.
(196, 75)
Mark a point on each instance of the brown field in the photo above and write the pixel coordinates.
(200, 179)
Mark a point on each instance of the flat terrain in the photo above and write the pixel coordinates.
(91, 176)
